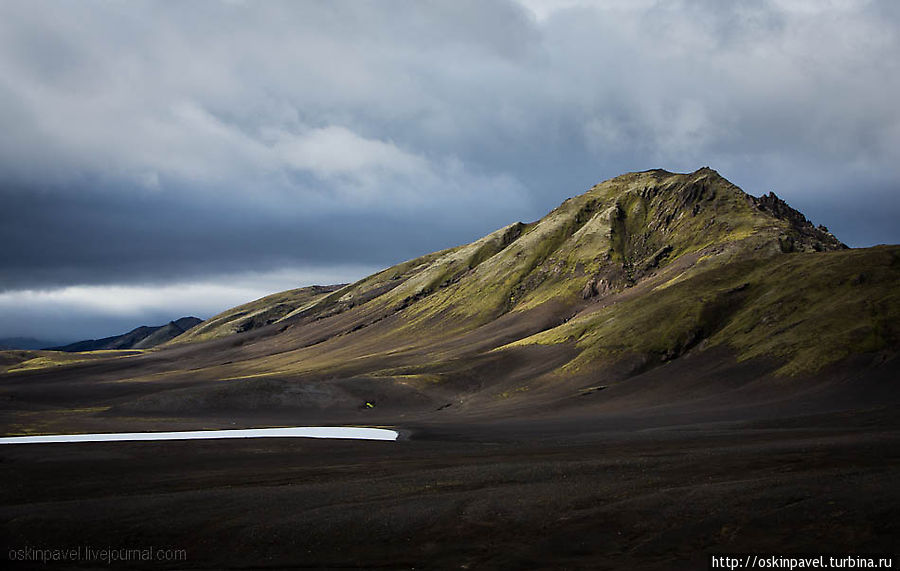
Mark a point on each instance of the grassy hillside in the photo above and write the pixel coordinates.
(598, 243)
(809, 310)
(645, 266)
(26, 360)
(255, 314)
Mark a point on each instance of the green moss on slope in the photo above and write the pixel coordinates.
(641, 232)
(808, 310)
(255, 314)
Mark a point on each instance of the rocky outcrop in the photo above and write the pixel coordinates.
(804, 237)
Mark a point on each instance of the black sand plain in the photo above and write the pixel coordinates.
(701, 455)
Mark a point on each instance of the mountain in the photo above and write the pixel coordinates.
(142, 337)
(629, 290)
(8, 343)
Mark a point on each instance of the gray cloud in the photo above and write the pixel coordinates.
(145, 142)
(76, 312)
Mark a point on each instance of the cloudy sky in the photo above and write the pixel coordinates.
(160, 159)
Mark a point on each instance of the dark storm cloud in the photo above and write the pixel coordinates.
(83, 238)
(145, 142)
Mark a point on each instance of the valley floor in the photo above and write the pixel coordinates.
(512, 495)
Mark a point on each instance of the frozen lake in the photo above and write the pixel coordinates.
(341, 432)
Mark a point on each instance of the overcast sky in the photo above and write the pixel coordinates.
(160, 159)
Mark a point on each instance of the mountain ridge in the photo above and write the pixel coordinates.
(641, 281)
(604, 247)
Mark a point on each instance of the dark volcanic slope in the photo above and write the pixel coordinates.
(636, 283)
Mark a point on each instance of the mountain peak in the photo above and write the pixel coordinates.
(628, 236)
(715, 210)
(613, 236)
(818, 237)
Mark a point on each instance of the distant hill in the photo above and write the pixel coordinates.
(30, 343)
(142, 337)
